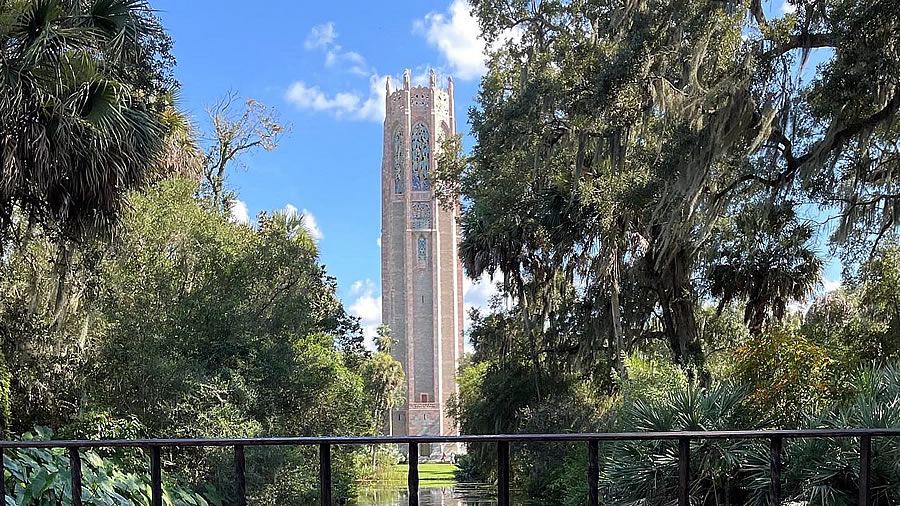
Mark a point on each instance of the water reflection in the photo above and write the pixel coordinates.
(461, 494)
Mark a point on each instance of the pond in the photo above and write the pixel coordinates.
(460, 494)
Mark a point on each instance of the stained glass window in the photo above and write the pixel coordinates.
(398, 161)
(422, 249)
(420, 215)
(421, 158)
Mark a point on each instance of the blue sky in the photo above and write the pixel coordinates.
(321, 66)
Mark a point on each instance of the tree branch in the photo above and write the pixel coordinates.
(802, 40)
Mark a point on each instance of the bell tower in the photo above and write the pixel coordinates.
(421, 276)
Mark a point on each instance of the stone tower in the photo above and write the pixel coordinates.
(421, 276)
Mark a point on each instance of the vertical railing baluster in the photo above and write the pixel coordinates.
(2, 481)
(684, 472)
(75, 469)
(593, 473)
(325, 474)
(240, 485)
(503, 473)
(412, 479)
(155, 477)
(775, 465)
(865, 463)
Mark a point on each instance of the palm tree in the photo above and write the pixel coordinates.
(765, 257)
(384, 378)
(383, 341)
(81, 86)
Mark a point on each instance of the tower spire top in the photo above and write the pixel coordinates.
(431, 78)
(406, 79)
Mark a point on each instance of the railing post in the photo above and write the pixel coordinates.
(502, 473)
(412, 479)
(2, 481)
(684, 471)
(775, 465)
(155, 477)
(325, 474)
(865, 462)
(75, 469)
(240, 486)
(593, 473)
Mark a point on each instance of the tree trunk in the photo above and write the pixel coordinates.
(62, 268)
(616, 313)
(676, 297)
(532, 341)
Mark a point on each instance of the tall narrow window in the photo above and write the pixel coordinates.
(398, 161)
(422, 249)
(421, 158)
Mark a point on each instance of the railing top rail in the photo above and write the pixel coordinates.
(471, 438)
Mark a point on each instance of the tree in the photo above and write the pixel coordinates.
(764, 256)
(233, 135)
(212, 328)
(639, 123)
(385, 383)
(81, 89)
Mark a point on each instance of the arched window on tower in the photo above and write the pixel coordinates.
(397, 149)
(422, 249)
(421, 158)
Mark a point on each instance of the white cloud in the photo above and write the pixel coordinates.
(343, 105)
(457, 36)
(324, 37)
(373, 107)
(830, 286)
(321, 36)
(368, 308)
(310, 97)
(478, 293)
(308, 220)
(239, 212)
(420, 77)
(788, 7)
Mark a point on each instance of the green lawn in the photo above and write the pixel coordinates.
(430, 475)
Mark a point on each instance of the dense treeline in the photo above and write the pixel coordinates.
(654, 184)
(131, 304)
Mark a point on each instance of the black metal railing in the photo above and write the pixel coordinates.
(775, 437)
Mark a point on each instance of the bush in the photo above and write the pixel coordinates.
(41, 477)
(637, 471)
(785, 371)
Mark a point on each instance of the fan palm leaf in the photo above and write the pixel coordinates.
(80, 122)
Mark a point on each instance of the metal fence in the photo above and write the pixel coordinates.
(502, 441)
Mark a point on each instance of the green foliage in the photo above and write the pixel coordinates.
(39, 477)
(648, 471)
(764, 256)
(384, 379)
(786, 370)
(4, 396)
(650, 378)
(190, 325)
(826, 471)
(81, 88)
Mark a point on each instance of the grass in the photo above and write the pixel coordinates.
(430, 475)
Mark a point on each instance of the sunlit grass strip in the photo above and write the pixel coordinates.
(430, 475)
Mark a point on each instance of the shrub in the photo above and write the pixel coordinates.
(42, 477)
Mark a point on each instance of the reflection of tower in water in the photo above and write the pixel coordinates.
(421, 275)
